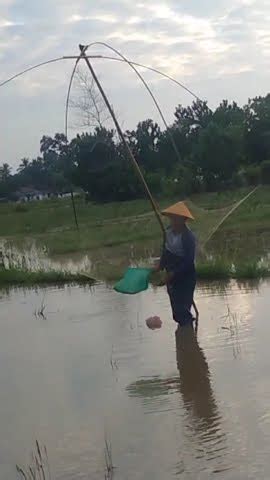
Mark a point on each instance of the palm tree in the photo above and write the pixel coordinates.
(24, 164)
(5, 172)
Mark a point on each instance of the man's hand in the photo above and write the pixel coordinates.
(156, 268)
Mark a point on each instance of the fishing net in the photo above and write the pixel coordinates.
(226, 233)
(210, 220)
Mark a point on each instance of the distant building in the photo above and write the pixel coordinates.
(27, 194)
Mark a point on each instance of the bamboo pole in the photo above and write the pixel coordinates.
(74, 207)
(122, 137)
(83, 50)
(130, 154)
(17, 75)
(29, 69)
(132, 66)
(104, 57)
(146, 67)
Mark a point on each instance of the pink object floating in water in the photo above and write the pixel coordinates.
(154, 323)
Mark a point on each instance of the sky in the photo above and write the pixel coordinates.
(218, 48)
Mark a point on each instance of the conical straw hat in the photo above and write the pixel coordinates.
(179, 209)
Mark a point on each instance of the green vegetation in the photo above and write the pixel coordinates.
(15, 276)
(221, 149)
(51, 223)
(115, 234)
(216, 270)
(219, 270)
(224, 153)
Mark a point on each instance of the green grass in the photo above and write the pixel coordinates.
(54, 216)
(220, 269)
(205, 271)
(215, 270)
(251, 270)
(223, 199)
(28, 278)
(113, 234)
(111, 225)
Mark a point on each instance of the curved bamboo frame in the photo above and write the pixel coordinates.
(83, 50)
(29, 69)
(100, 57)
(124, 59)
(121, 59)
(132, 65)
(137, 169)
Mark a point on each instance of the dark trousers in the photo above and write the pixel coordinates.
(181, 294)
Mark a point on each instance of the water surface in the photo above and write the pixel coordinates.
(172, 405)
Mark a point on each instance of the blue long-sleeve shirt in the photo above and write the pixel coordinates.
(181, 265)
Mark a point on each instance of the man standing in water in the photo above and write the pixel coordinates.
(178, 259)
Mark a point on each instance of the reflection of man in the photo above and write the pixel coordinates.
(195, 385)
(204, 422)
(203, 446)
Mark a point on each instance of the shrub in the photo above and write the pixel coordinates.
(265, 172)
(253, 174)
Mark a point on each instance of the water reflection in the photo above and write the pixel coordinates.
(197, 413)
(195, 385)
(249, 285)
(203, 424)
(204, 445)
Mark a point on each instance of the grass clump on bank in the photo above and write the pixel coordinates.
(251, 270)
(219, 269)
(20, 277)
(216, 269)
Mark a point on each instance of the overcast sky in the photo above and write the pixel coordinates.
(218, 48)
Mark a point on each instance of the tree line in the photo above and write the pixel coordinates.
(225, 148)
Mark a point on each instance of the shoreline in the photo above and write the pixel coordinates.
(208, 271)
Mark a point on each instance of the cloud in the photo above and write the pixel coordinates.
(106, 18)
(7, 23)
